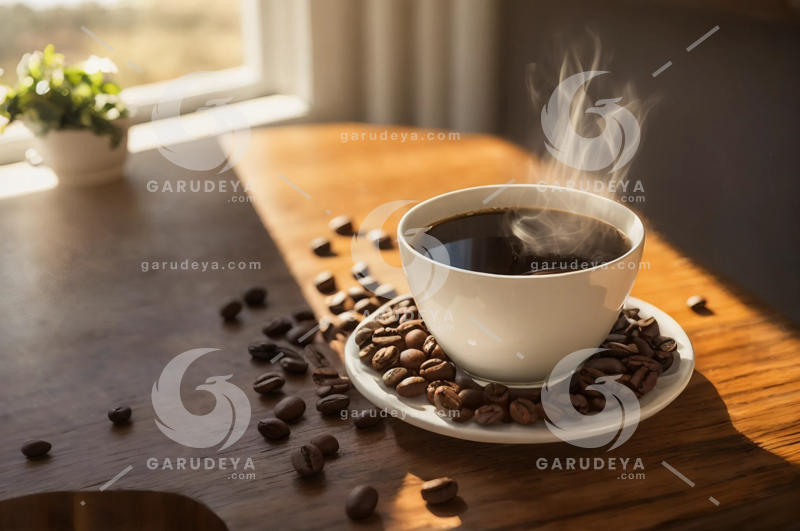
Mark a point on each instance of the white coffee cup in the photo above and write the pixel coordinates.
(515, 329)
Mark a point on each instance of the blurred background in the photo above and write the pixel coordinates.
(719, 126)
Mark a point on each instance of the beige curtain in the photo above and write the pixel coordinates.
(431, 63)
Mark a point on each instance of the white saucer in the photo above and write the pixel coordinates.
(419, 412)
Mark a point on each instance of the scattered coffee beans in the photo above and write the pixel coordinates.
(303, 314)
(34, 449)
(294, 365)
(471, 398)
(386, 358)
(119, 415)
(437, 369)
(339, 303)
(255, 296)
(308, 460)
(361, 502)
(326, 443)
(230, 310)
(360, 270)
(439, 490)
(523, 411)
(446, 399)
(336, 389)
(262, 349)
(341, 225)
(416, 339)
(380, 239)
(290, 408)
(274, 429)
(321, 375)
(321, 246)
(368, 418)
(412, 359)
(325, 283)
(268, 382)
(332, 404)
(302, 333)
(433, 386)
(276, 326)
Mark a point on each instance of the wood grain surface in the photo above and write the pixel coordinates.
(85, 329)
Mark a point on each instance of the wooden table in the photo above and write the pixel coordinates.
(80, 342)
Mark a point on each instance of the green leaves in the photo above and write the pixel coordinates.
(52, 96)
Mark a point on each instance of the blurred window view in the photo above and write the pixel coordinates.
(165, 39)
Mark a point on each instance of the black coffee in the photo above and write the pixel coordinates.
(527, 241)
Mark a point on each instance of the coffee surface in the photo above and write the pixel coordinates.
(527, 241)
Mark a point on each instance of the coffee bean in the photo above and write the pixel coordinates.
(616, 338)
(436, 384)
(335, 389)
(439, 490)
(633, 363)
(290, 408)
(349, 320)
(368, 283)
(620, 324)
(276, 326)
(409, 314)
(308, 460)
(465, 382)
(268, 382)
(465, 414)
(262, 349)
(432, 349)
(380, 239)
(580, 404)
(341, 225)
(316, 356)
(387, 318)
(119, 415)
(412, 386)
(487, 415)
(361, 502)
(363, 336)
(523, 411)
(471, 398)
(587, 377)
(437, 369)
(294, 365)
(385, 293)
(665, 344)
(320, 375)
(302, 333)
(360, 270)
(368, 418)
(412, 358)
(326, 443)
(255, 296)
(696, 302)
(303, 314)
(339, 303)
(447, 399)
(367, 353)
(367, 305)
(357, 293)
(416, 339)
(230, 310)
(35, 448)
(605, 365)
(386, 358)
(332, 404)
(643, 347)
(274, 429)
(384, 337)
(321, 246)
(325, 283)
(665, 359)
(392, 377)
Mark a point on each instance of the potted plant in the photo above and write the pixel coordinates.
(75, 112)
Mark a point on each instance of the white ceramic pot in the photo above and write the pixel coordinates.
(515, 329)
(82, 158)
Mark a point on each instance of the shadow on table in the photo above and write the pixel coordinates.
(528, 485)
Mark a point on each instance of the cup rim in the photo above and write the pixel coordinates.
(401, 229)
